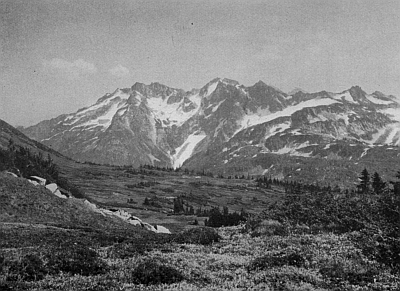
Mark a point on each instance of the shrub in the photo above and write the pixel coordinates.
(129, 249)
(28, 268)
(380, 247)
(199, 235)
(151, 272)
(266, 227)
(75, 259)
(354, 273)
(277, 260)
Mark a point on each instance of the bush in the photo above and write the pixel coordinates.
(199, 235)
(266, 227)
(29, 268)
(277, 260)
(151, 272)
(380, 247)
(355, 273)
(75, 259)
(129, 249)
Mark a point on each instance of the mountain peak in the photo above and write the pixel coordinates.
(297, 90)
(217, 79)
(356, 88)
(230, 82)
(260, 84)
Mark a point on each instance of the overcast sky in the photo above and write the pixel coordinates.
(58, 56)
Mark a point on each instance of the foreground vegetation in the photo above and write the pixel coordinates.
(235, 260)
(307, 238)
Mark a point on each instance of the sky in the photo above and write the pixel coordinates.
(57, 56)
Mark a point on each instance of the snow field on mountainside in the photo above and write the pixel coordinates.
(346, 96)
(254, 119)
(277, 129)
(292, 150)
(185, 151)
(394, 113)
(105, 119)
(375, 100)
(99, 104)
(172, 112)
(211, 88)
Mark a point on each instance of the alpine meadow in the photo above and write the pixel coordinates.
(177, 179)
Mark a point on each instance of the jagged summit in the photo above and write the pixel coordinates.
(159, 125)
(297, 90)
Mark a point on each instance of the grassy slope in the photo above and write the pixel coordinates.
(23, 203)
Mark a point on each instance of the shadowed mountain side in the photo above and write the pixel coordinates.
(8, 132)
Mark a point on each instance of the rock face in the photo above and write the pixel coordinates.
(213, 126)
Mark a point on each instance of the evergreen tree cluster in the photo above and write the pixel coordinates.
(218, 218)
(182, 207)
(25, 163)
(215, 217)
(151, 202)
(368, 184)
(293, 186)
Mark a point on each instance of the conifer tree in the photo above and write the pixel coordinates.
(377, 183)
(364, 186)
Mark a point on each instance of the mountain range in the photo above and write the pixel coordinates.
(226, 127)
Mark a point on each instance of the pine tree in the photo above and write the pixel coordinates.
(178, 205)
(364, 185)
(377, 183)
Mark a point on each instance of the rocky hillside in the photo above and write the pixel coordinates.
(21, 202)
(223, 124)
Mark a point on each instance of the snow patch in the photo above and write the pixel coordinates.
(152, 158)
(102, 120)
(393, 113)
(172, 113)
(375, 100)
(254, 119)
(104, 102)
(215, 108)
(345, 96)
(292, 151)
(185, 151)
(211, 88)
(364, 152)
(277, 129)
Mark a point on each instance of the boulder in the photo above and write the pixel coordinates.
(40, 180)
(93, 207)
(135, 222)
(162, 229)
(149, 227)
(33, 182)
(12, 174)
(54, 189)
